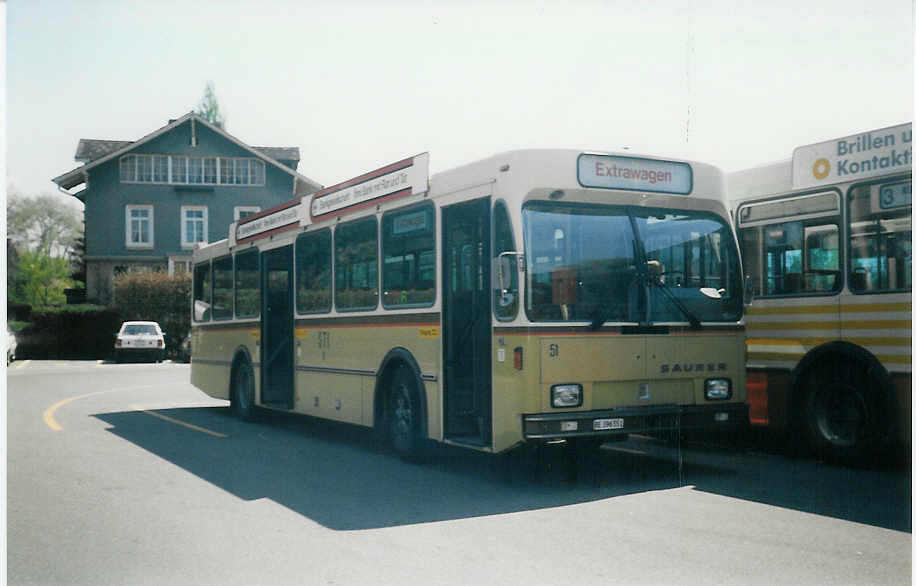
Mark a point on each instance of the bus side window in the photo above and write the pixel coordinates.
(793, 258)
(408, 257)
(881, 241)
(356, 265)
(505, 303)
(202, 290)
(313, 272)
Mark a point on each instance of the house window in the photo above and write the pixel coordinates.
(179, 170)
(160, 169)
(128, 168)
(210, 170)
(240, 212)
(193, 225)
(191, 170)
(139, 224)
(195, 169)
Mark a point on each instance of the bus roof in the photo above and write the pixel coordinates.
(517, 171)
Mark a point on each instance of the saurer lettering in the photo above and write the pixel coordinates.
(693, 367)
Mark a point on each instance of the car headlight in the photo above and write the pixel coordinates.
(718, 389)
(566, 395)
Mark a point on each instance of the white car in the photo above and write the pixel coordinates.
(139, 339)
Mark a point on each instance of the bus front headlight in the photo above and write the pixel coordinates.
(718, 389)
(566, 395)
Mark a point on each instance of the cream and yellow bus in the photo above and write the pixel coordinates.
(826, 239)
(534, 296)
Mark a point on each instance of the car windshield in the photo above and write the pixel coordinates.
(619, 264)
(139, 330)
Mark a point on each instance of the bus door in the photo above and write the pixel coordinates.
(277, 328)
(466, 329)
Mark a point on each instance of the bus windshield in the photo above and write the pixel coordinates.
(620, 264)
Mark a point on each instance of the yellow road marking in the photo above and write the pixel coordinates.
(178, 422)
(49, 412)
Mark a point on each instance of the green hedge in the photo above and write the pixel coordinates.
(155, 296)
(69, 332)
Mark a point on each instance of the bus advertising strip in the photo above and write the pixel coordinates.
(400, 179)
(855, 157)
(278, 219)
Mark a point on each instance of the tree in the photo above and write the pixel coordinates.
(41, 279)
(208, 109)
(42, 224)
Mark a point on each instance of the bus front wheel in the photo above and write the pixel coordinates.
(404, 413)
(844, 417)
(242, 398)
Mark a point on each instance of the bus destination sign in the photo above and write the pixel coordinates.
(877, 152)
(635, 174)
(407, 177)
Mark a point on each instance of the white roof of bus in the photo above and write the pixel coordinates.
(759, 181)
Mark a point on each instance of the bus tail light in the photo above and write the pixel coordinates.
(517, 358)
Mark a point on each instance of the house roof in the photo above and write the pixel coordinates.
(90, 149)
(94, 152)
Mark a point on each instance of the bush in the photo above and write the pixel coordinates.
(155, 296)
(69, 332)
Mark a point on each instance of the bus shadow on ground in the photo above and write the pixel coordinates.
(341, 477)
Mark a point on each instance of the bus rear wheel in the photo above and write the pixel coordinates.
(242, 395)
(844, 416)
(404, 413)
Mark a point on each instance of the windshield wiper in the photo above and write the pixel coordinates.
(656, 280)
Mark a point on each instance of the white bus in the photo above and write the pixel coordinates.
(826, 238)
(533, 296)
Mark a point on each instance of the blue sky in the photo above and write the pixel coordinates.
(355, 85)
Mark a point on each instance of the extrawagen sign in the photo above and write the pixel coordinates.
(635, 174)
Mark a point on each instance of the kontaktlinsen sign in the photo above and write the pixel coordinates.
(407, 177)
(271, 221)
(635, 174)
(877, 152)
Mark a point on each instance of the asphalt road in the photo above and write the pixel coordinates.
(126, 474)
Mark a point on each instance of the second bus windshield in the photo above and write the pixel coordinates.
(586, 263)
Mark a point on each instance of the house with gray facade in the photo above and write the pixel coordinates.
(149, 202)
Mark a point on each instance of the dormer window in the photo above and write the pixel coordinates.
(182, 170)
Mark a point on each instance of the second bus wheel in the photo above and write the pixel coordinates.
(844, 411)
(242, 392)
(404, 415)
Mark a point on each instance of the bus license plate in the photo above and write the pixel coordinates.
(602, 424)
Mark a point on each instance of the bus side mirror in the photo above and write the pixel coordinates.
(748, 290)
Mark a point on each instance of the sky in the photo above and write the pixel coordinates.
(355, 85)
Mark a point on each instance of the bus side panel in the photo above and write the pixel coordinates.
(515, 386)
(213, 351)
(336, 367)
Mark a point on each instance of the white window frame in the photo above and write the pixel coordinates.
(237, 211)
(130, 166)
(183, 223)
(128, 229)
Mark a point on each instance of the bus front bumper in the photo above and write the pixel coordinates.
(614, 422)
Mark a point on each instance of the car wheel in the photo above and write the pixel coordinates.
(242, 396)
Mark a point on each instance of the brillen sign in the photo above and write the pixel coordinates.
(877, 152)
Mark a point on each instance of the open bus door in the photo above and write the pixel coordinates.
(466, 328)
(277, 346)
